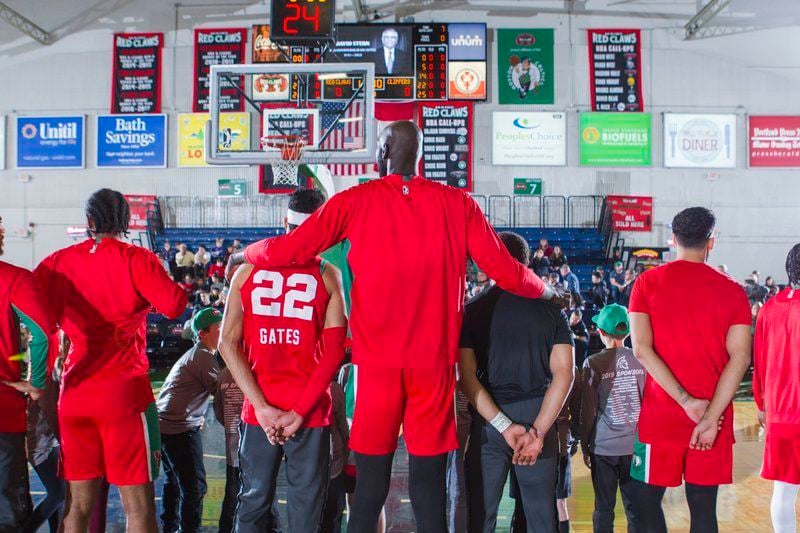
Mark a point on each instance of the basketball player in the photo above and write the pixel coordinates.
(405, 335)
(100, 291)
(20, 301)
(691, 332)
(274, 322)
(776, 389)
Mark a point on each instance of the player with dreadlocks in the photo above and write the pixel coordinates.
(776, 389)
(100, 291)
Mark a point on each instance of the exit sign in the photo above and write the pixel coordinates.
(527, 187)
(232, 188)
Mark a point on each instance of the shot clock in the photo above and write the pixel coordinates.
(303, 20)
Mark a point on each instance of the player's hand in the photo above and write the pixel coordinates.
(512, 435)
(704, 435)
(587, 458)
(695, 409)
(762, 418)
(26, 388)
(267, 417)
(290, 424)
(528, 449)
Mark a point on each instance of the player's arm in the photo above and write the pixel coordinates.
(155, 285)
(486, 249)
(331, 345)
(232, 351)
(324, 228)
(29, 305)
(759, 367)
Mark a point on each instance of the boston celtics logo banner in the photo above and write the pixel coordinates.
(525, 66)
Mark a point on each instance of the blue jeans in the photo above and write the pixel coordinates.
(185, 486)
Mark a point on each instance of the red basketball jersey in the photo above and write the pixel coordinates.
(284, 314)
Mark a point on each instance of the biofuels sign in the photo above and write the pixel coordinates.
(615, 139)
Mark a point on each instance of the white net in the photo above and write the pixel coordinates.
(286, 164)
(285, 172)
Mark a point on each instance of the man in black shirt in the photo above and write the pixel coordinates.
(517, 368)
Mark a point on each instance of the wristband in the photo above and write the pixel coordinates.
(501, 422)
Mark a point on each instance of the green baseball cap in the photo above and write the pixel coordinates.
(204, 319)
(618, 264)
(613, 319)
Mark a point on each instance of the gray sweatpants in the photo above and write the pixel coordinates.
(307, 473)
(15, 501)
(537, 483)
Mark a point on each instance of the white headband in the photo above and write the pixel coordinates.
(295, 218)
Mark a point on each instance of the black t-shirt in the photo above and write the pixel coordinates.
(512, 338)
(581, 345)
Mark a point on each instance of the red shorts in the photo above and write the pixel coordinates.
(781, 459)
(125, 450)
(421, 399)
(668, 465)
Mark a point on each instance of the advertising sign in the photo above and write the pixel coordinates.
(529, 139)
(51, 142)
(234, 134)
(615, 70)
(525, 66)
(138, 205)
(631, 213)
(447, 142)
(774, 141)
(132, 141)
(615, 139)
(264, 50)
(699, 141)
(218, 47)
(467, 80)
(467, 42)
(136, 80)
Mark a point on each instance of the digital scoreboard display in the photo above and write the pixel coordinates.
(305, 20)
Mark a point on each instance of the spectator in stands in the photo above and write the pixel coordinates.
(214, 294)
(164, 262)
(555, 280)
(223, 297)
(598, 292)
(216, 282)
(169, 254)
(722, 268)
(755, 293)
(773, 291)
(482, 282)
(184, 259)
(557, 258)
(201, 260)
(545, 247)
(617, 279)
(188, 283)
(576, 300)
(237, 245)
(218, 268)
(630, 278)
(569, 278)
(539, 263)
(581, 335)
(770, 282)
(219, 250)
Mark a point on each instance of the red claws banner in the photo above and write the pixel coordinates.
(218, 47)
(631, 213)
(615, 70)
(447, 142)
(136, 82)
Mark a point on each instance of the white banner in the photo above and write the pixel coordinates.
(529, 139)
(699, 141)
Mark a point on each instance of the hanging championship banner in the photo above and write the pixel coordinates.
(234, 134)
(631, 213)
(138, 205)
(136, 80)
(774, 141)
(699, 141)
(529, 138)
(615, 139)
(447, 142)
(51, 142)
(615, 70)
(525, 66)
(218, 47)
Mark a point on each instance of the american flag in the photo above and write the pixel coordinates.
(348, 134)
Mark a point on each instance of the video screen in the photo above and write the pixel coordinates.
(389, 46)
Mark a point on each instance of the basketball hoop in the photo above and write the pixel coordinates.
(284, 169)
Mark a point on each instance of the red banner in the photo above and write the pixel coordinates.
(136, 81)
(138, 205)
(631, 213)
(774, 141)
(615, 70)
(447, 142)
(218, 47)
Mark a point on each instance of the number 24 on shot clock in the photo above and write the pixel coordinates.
(303, 20)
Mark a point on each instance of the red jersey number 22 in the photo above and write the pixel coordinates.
(303, 289)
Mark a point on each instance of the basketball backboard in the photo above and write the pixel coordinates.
(330, 106)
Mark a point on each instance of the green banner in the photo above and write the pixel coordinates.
(232, 188)
(615, 139)
(527, 187)
(525, 66)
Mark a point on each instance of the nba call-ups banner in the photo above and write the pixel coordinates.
(529, 139)
(447, 142)
(774, 141)
(132, 141)
(615, 70)
(136, 83)
(525, 66)
(51, 142)
(699, 141)
(615, 139)
(218, 47)
(631, 213)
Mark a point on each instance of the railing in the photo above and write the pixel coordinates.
(220, 212)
